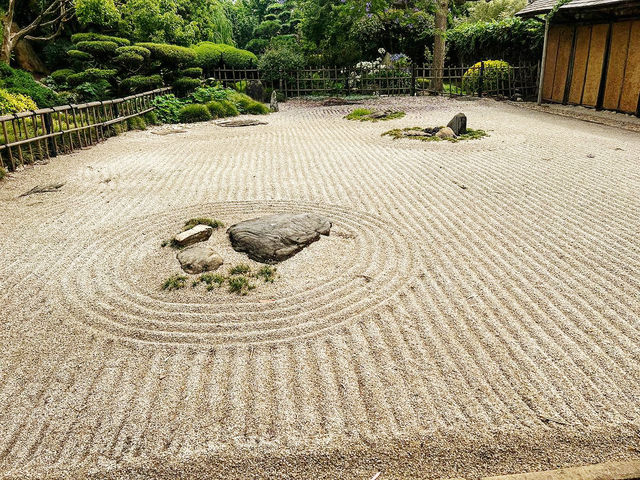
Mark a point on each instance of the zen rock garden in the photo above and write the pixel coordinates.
(456, 130)
(270, 239)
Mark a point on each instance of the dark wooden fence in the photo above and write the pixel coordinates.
(412, 80)
(41, 134)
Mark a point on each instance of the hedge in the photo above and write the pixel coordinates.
(141, 83)
(60, 76)
(511, 39)
(193, 72)
(91, 75)
(170, 56)
(236, 58)
(90, 37)
(129, 60)
(79, 56)
(495, 76)
(97, 48)
(222, 108)
(185, 85)
(208, 55)
(143, 52)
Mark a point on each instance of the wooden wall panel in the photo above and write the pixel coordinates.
(617, 63)
(631, 84)
(594, 65)
(581, 57)
(565, 43)
(550, 63)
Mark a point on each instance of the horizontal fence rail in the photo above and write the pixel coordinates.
(34, 135)
(480, 79)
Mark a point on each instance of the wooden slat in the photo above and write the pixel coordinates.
(617, 62)
(565, 42)
(580, 59)
(594, 65)
(631, 85)
(550, 63)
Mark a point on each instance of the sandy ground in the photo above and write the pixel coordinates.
(474, 311)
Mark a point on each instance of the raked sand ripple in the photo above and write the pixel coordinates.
(475, 309)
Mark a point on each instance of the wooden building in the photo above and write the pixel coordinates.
(592, 53)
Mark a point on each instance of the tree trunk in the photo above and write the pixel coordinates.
(442, 12)
(6, 48)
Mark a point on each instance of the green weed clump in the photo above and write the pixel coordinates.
(240, 285)
(222, 109)
(211, 280)
(240, 269)
(174, 282)
(192, 222)
(267, 273)
(194, 113)
(402, 133)
(3, 173)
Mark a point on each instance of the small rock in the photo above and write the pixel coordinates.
(198, 259)
(199, 233)
(458, 124)
(274, 102)
(417, 133)
(445, 132)
(275, 238)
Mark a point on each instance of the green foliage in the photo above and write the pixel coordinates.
(174, 282)
(193, 72)
(60, 76)
(240, 285)
(100, 13)
(267, 29)
(141, 83)
(143, 52)
(170, 56)
(208, 93)
(208, 55)
(91, 75)
(222, 109)
(279, 59)
(511, 39)
(236, 58)
(15, 102)
(151, 118)
(185, 85)
(211, 280)
(21, 82)
(194, 113)
(94, 90)
(402, 133)
(494, 77)
(100, 49)
(92, 37)
(136, 123)
(246, 104)
(267, 273)
(192, 222)
(167, 108)
(257, 45)
(367, 115)
(78, 56)
(493, 10)
(129, 61)
(240, 269)
(3, 173)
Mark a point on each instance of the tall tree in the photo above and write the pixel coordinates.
(47, 24)
(439, 46)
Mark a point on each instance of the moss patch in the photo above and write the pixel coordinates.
(405, 133)
(368, 115)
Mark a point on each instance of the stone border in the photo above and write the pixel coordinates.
(625, 470)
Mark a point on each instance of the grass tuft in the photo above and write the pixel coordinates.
(192, 222)
(3, 173)
(211, 280)
(240, 285)
(367, 115)
(240, 269)
(267, 273)
(174, 282)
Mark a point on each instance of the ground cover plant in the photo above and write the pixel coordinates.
(369, 115)
(406, 133)
(238, 278)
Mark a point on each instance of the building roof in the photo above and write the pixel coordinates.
(543, 6)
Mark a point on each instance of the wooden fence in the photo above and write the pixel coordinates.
(412, 80)
(41, 134)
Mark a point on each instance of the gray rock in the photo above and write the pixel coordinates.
(198, 259)
(458, 124)
(274, 102)
(445, 132)
(255, 90)
(275, 238)
(199, 233)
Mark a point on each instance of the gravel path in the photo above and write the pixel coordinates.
(474, 311)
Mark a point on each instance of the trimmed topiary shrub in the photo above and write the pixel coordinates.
(18, 81)
(246, 104)
(194, 113)
(91, 37)
(236, 58)
(495, 77)
(79, 56)
(193, 72)
(129, 60)
(185, 85)
(91, 75)
(143, 52)
(141, 83)
(257, 45)
(170, 56)
(60, 76)
(98, 48)
(15, 102)
(222, 109)
(208, 55)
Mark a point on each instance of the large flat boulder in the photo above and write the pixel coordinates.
(274, 238)
(198, 259)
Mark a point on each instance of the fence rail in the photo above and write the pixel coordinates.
(412, 80)
(41, 134)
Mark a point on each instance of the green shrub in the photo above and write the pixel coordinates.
(167, 108)
(91, 75)
(151, 118)
(60, 76)
(143, 52)
(170, 56)
(185, 85)
(222, 109)
(91, 37)
(194, 113)
(237, 58)
(511, 39)
(15, 102)
(208, 55)
(98, 48)
(18, 81)
(136, 123)
(3, 173)
(94, 90)
(495, 76)
(280, 59)
(257, 45)
(267, 29)
(246, 104)
(141, 83)
(129, 60)
(208, 93)
(79, 56)
(193, 72)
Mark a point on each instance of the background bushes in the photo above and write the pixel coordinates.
(194, 113)
(140, 83)
(170, 56)
(495, 76)
(21, 82)
(14, 103)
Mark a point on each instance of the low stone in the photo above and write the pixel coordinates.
(198, 259)
(274, 102)
(458, 124)
(417, 133)
(445, 132)
(274, 238)
(199, 233)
